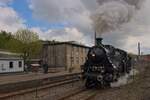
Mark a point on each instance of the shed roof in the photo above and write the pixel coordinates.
(74, 43)
(9, 55)
(10, 58)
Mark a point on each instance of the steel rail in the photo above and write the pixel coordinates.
(39, 88)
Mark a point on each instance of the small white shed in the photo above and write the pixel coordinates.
(9, 62)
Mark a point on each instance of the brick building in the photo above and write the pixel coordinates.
(64, 55)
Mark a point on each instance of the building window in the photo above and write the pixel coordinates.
(10, 64)
(20, 63)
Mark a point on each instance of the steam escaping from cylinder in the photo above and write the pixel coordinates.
(123, 80)
(111, 14)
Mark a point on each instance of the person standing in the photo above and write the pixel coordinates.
(45, 68)
(26, 68)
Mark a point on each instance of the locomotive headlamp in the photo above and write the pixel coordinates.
(93, 55)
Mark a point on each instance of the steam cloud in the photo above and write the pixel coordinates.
(112, 14)
(123, 80)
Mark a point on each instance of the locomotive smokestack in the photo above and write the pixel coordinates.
(99, 41)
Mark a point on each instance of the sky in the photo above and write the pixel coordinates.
(70, 20)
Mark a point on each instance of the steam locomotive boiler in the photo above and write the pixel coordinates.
(105, 64)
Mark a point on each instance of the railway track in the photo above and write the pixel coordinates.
(78, 94)
(48, 85)
(83, 94)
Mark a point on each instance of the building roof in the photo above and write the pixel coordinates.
(11, 58)
(74, 43)
(9, 55)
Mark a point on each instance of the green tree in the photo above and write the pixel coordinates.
(5, 37)
(29, 45)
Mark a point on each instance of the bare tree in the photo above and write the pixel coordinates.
(30, 44)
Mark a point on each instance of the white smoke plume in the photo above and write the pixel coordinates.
(123, 80)
(111, 14)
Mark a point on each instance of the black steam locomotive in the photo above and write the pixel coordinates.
(105, 64)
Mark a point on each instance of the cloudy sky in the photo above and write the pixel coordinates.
(65, 20)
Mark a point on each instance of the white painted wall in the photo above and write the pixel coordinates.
(5, 68)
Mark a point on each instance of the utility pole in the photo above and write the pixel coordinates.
(139, 50)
